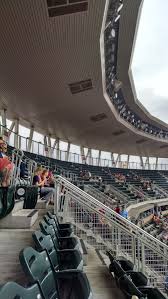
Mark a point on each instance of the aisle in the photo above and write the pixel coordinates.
(102, 284)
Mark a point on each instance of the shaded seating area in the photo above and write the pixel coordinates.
(52, 273)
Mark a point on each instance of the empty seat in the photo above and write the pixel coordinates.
(60, 259)
(64, 284)
(152, 293)
(60, 225)
(12, 290)
(129, 288)
(138, 278)
(63, 232)
(60, 243)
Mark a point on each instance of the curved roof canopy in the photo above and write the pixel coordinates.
(51, 73)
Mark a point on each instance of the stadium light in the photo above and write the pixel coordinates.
(117, 18)
(120, 7)
(117, 85)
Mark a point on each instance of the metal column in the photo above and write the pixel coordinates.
(68, 151)
(16, 137)
(30, 139)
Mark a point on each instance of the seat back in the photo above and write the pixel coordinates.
(50, 221)
(50, 215)
(43, 242)
(12, 290)
(37, 268)
(49, 230)
(152, 293)
(116, 268)
(128, 287)
(7, 200)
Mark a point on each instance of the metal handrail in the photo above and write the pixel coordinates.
(111, 216)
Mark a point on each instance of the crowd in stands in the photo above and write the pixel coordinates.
(121, 211)
(157, 224)
(87, 176)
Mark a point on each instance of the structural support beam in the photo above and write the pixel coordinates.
(29, 141)
(54, 147)
(128, 159)
(68, 151)
(11, 128)
(89, 156)
(49, 146)
(3, 115)
(118, 159)
(156, 165)
(99, 159)
(83, 157)
(58, 149)
(46, 146)
(16, 137)
(141, 161)
(147, 163)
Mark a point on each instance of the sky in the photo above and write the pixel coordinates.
(150, 60)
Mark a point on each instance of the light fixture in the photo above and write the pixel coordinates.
(120, 7)
(117, 18)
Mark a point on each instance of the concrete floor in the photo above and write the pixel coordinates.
(102, 283)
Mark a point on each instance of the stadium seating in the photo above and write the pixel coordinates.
(12, 290)
(60, 259)
(59, 242)
(53, 284)
(62, 232)
(51, 273)
(7, 200)
(132, 283)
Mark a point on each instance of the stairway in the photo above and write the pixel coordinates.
(102, 228)
(102, 283)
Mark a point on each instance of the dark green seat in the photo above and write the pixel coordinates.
(60, 243)
(60, 259)
(7, 200)
(138, 278)
(65, 232)
(64, 284)
(60, 225)
(12, 290)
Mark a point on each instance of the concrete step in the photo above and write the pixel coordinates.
(41, 204)
(18, 206)
(20, 219)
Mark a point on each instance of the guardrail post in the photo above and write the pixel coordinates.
(143, 257)
(56, 198)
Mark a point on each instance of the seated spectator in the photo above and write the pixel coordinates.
(50, 179)
(40, 180)
(5, 165)
(124, 212)
(117, 209)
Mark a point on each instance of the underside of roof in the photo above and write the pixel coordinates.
(51, 73)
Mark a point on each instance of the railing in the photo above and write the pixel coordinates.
(39, 148)
(104, 229)
(109, 202)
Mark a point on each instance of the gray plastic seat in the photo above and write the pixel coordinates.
(60, 259)
(12, 290)
(64, 284)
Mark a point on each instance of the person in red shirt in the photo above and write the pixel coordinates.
(117, 209)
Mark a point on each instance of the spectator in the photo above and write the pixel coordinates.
(40, 180)
(117, 209)
(124, 212)
(5, 165)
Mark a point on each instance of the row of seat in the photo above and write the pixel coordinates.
(54, 268)
(131, 282)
